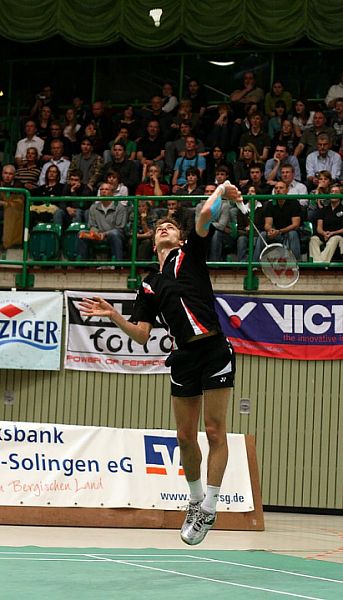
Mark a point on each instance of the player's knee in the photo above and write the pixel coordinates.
(186, 438)
(215, 434)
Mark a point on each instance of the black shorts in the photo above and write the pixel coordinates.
(206, 364)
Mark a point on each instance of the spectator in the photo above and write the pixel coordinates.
(12, 209)
(126, 168)
(308, 140)
(294, 187)
(177, 148)
(151, 147)
(130, 145)
(153, 114)
(43, 122)
(30, 141)
(196, 94)
(302, 117)
(337, 125)
(42, 212)
(107, 220)
(28, 173)
(256, 180)
(216, 158)
(277, 94)
(329, 229)
(119, 189)
(334, 92)
(183, 216)
(273, 165)
(103, 123)
(281, 223)
(248, 93)
(220, 130)
(322, 159)
(243, 225)
(221, 238)
(241, 167)
(82, 113)
(169, 100)
(151, 182)
(256, 136)
(184, 113)
(191, 158)
(193, 185)
(72, 212)
(323, 187)
(287, 136)
(58, 160)
(92, 133)
(89, 163)
(44, 98)
(275, 122)
(71, 127)
(128, 119)
(56, 135)
(147, 218)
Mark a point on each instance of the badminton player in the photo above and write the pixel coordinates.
(203, 363)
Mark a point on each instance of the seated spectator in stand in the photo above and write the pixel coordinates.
(294, 187)
(219, 127)
(322, 159)
(281, 223)
(302, 117)
(193, 187)
(287, 136)
(107, 219)
(197, 95)
(151, 184)
(242, 166)
(72, 129)
(155, 113)
(82, 112)
(127, 169)
(92, 133)
(39, 211)
(89, 163)
(308, 140)
(248, 93)
(275, 122)
(329, 229)
(128, 118)
(243, 225)
(130, 145)
(183, 216)
(337, 125)
(30, 141)
(103, 124)
(273, 167)
(323, 187)
(334, 92)
(57, 159)
(11, 209)
(277, 94)
(150, 149)
(119, 189)
(56, 135)
(28, 173)
(221, 239)
(257, 137)
(256, 180)
(191, 158)
(72, 212)
(43, 123)
(147, 218)
(216, 158)
(177, 148)
(169, 100)
(44, 98)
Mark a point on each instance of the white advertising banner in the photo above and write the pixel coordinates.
(97, 344)
(67, 465)
(30, 330)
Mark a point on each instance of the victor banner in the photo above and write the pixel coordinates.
(30, 330)
(68, 465)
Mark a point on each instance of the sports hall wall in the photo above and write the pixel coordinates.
(296, 415)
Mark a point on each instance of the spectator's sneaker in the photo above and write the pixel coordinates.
(193, 509)
(195, 533)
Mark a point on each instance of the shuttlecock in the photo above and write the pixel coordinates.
(156, 14)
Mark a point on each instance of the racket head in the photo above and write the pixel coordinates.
(279, 265)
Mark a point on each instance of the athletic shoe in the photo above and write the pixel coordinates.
(195, 533)
(191, 515)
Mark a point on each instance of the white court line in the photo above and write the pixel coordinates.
(228, 562)
(240, 585)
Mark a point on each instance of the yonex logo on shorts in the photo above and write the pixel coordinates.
(162, 455)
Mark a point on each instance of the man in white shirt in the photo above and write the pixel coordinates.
(30, 141)
(57, 159)
(322, 159)
(335, 91)
(272, 171)
(294, 187)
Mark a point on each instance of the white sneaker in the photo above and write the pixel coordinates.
(193, 509)
(195, 532)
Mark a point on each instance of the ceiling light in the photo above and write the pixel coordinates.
(222, 64)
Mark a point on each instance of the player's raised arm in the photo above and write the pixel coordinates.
(211, 209)
(98, 307)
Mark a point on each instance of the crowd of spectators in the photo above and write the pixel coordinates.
(264, 143)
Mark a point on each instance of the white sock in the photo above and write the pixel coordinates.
(196, 491)
(210, 501)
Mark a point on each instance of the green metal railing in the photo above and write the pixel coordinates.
(25, 279)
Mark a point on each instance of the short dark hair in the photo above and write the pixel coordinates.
(86, 138)
(76, 173)
(222, 169)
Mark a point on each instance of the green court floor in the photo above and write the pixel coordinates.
(101, 574)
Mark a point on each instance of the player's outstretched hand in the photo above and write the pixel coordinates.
(95, 307)
(231, 192)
